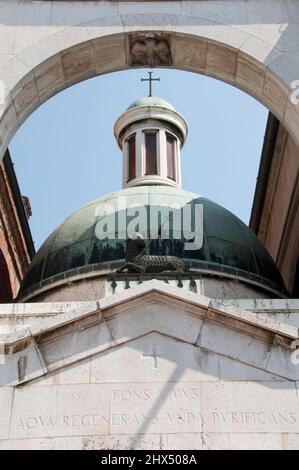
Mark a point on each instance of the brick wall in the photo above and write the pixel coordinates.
(16, 247)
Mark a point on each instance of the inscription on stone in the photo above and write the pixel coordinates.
(155, 408)
(253, 417)
(250, 407)
(62, 421)
(60, 410)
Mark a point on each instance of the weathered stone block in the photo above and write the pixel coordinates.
(60, 410)
(6, 397)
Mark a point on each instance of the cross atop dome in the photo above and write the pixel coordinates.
(150, 80)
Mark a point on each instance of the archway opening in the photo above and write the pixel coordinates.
(75, 157)
(54, 70)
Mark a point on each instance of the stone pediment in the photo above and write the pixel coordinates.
(96, 327)
(154, 366)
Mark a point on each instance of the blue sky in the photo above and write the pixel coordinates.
(65, 154)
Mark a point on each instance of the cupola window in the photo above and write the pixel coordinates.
(170, 149)
(150, 153)
(132, 157)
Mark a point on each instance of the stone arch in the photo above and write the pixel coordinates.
(6, 294)
(66, 59)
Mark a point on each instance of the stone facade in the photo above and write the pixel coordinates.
(153, 367)
(275, 214)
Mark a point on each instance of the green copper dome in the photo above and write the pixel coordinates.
(229, 247)
(151, 101)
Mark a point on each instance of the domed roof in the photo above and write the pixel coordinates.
(151, 101)
(229, 248)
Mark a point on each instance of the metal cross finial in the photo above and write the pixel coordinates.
(150, 80)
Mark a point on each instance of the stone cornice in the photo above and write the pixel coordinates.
(85, 309)
(93, 327)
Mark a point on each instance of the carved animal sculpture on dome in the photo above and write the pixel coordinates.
(138, 262)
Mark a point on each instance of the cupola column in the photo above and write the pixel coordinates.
(163, 153)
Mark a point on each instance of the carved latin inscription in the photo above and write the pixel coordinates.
(154, 408)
